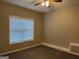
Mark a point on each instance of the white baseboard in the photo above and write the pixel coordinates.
(59, 48)
(56, 47)
(45, 44)
(75, 44)
(1, 54)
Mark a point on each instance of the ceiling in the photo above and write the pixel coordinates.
(30, 4)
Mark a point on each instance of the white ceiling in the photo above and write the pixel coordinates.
(30, 4)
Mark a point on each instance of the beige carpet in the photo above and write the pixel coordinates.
(42, 52)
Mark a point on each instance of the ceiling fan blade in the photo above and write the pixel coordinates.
(38, 4)
(57, 0)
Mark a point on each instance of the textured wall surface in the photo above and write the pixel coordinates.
(8, 9)
(61, 26)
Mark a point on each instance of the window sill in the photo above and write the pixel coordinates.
(20, 41)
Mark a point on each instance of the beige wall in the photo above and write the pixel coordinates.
(61, 26)
(7, 10)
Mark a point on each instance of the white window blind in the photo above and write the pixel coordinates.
(20, 29)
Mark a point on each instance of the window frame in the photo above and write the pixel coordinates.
(22, 41)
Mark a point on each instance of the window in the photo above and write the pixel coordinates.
(20, 29)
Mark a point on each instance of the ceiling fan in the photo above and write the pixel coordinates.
(47, 3)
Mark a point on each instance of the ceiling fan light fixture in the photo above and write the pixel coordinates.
(45, 3)
(42, 3)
